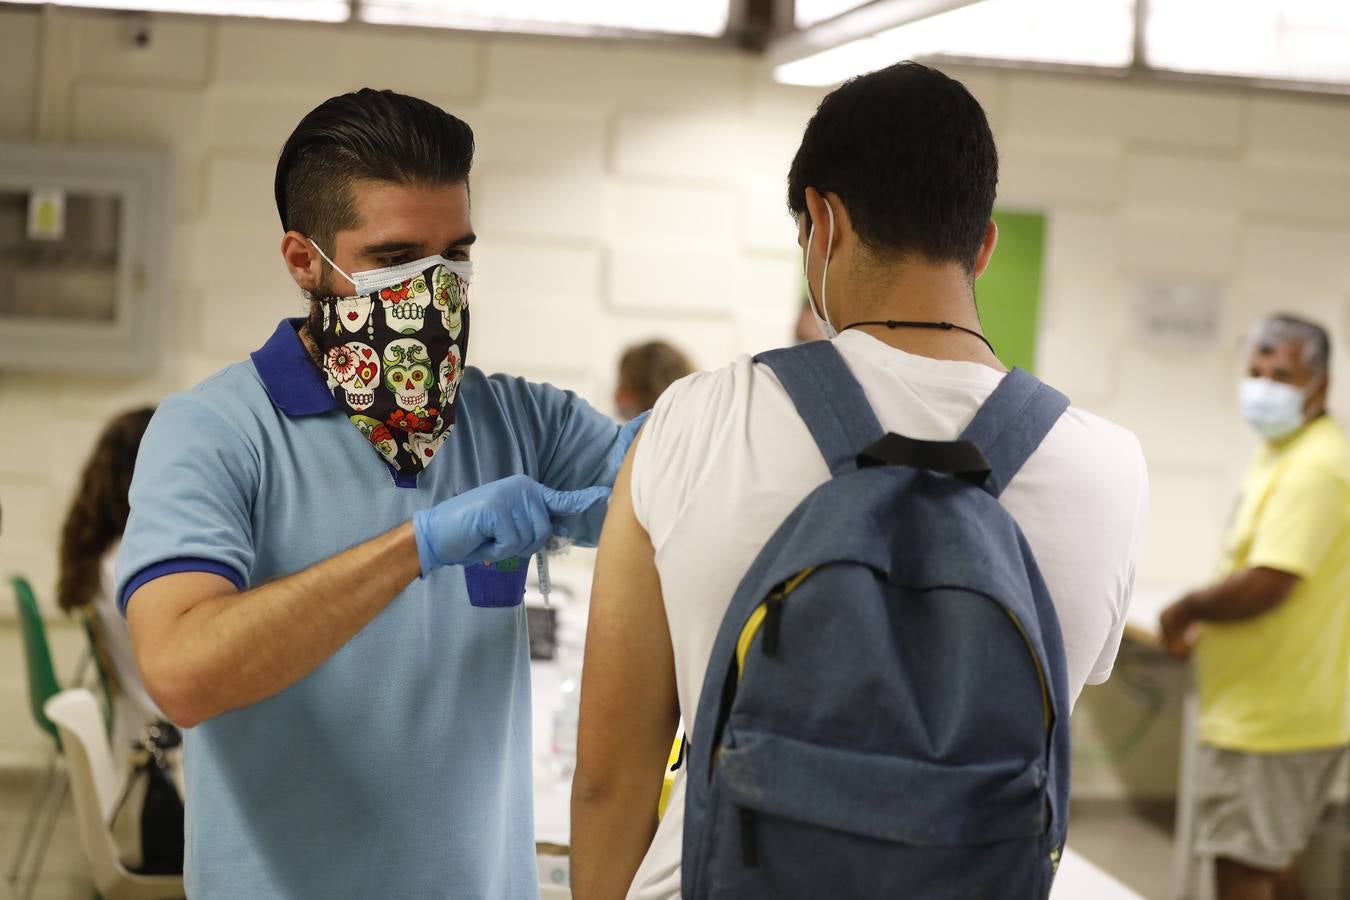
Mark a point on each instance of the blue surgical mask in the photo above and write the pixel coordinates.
(372, 280)
(1274, 409)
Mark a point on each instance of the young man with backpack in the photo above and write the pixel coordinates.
(874, 655)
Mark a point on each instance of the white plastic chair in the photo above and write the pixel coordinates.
(96, 787)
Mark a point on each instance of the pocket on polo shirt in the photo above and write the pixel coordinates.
(498, 584)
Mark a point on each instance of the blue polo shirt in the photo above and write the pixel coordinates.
(401, 767)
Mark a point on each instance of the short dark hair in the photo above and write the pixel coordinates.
(909, 152)
(646, 370)
(366, 134)
(1312, 338)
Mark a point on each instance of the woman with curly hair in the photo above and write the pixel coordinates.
(93, 529)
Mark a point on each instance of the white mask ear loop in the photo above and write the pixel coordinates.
(339, 271)
(825, 272)
(823, 317)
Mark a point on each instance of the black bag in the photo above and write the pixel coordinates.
(161, 820)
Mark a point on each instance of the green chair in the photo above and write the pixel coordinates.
(42, 686)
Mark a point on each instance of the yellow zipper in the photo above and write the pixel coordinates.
(1040, 673)
(756, 620)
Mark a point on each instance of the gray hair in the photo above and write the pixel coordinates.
(1284, 328)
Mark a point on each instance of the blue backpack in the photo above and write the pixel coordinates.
(886, 709)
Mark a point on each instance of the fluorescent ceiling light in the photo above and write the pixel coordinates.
(304, 10)
(701, 17)
(1097, 33)
(808, 12)
(1302, 40)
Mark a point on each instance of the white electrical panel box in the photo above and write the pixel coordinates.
(1178, 312)
(83, 250)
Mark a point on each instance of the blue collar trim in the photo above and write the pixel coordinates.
(293, 382)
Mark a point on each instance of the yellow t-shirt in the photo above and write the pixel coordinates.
(1281, 681)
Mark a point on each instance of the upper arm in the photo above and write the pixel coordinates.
(155, 608)
(1301, 520)
(1270, 586)
(629, 673)
(191, 502)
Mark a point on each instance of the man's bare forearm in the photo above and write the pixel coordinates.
(1243, 595)
(224, 650)
(612, 829)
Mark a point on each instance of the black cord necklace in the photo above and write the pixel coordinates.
(933, 326)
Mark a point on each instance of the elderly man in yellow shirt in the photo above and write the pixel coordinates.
(1272, 637)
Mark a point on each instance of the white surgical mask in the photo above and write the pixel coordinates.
(826, 329)
(1274, 409)
(370, 281)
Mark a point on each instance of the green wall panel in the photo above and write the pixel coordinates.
(1009, 292)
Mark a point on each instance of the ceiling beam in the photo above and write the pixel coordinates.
(865, 21)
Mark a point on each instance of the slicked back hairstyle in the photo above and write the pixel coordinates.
(367, 134)
(909, 152)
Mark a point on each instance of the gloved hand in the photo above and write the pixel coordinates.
(625, 440)
(495, 521)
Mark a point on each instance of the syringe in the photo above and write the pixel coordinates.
(541, 566)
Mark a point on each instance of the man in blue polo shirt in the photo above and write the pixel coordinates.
(326, 552)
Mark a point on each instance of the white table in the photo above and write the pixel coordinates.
(1079, 878)
(571, 577)
(1141, 627)
(552, 794)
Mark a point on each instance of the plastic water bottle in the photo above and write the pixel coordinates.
(565, 719)
(568, 711)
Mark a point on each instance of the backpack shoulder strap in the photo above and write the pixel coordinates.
(1012, 423)
(828, 398)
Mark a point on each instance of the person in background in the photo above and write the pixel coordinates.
(805, 329)
(328, 543)
(645, 371)
(891, 191)
(89, 541)
(1271, 637)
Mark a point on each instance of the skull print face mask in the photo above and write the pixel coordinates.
(394, 354)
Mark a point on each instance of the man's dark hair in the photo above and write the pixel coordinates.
(368, 134)
(909, 152)
(1312, 338)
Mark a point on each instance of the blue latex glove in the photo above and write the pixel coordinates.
(625, 440)
(495, 521)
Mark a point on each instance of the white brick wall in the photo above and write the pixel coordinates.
(1161, 240)
(180, 52)
(565, 207)
(674, 214)
(1038, 171)
(19, 34)
(1121, 112)
(676, 145)
(1312, 127)
(628, 191)
(1189, 181)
